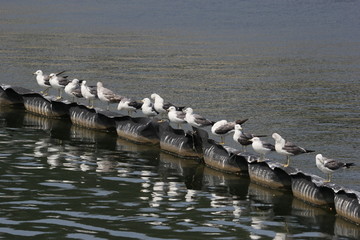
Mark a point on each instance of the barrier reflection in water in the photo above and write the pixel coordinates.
(313, 217)
(13, 118)
(344, 228)
(93, 138)
(191, 170)
(57, 128)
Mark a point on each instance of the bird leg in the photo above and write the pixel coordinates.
(89, 104)
(329, 178)
(222, 140)
(288, 161)
(45, 92)
(59, 97)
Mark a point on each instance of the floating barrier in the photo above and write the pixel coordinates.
(312, 189)
(93, 118)
(221, 158)
(46, 106)
(193, 144)
(270, 174)
(12, 95)
(139, 129)
(347, 204)
(177, 142)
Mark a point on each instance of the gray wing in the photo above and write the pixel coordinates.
(111, 95)
(46, 80)
(180, 115)
(93, 90)
(332, 164)
(225, 128)
(135, 104)
(295, 150)
(63, 81)
(268, 146)
(201, 120)
(60, 72)
(77, 92)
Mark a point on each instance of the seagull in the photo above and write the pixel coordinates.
(106, 95)
(287, 148)
(89, 93)
(329, 166)
(58, 82)
(223, 127)
(148, 108)
(73, 89)
(129, 105)
(196, 120)
(261, 147)
(43, 80)
(243, 138)
(176, 116)
(160, 106)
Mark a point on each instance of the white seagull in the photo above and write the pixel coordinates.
(89, 93)
(129, 105)
(175, 116)
(243, 138)
(223, 128)
(261, 147)
(148, 108)
(161, 106)
(196, 120)
(329, 166)
(43, 80)
(58, 82)
(106, 95)
(73, 89)
(287, 148)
